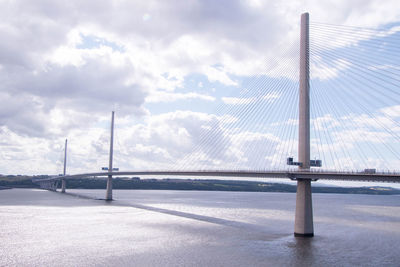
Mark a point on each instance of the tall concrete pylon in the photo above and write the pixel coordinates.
(63, 182)
(303, 225)
(110, 163)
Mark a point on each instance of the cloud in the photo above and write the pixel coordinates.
(269, 97)
(393, 111)
(237, 100)
(175, 140)
(325, 70)
(160, 97)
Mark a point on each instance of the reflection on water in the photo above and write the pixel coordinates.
(189, 228)
(302, 251)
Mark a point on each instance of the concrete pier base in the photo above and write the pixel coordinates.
(109, 188)
(63, 185)
(303, 222)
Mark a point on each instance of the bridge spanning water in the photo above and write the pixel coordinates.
(293, 175)
(304, 175)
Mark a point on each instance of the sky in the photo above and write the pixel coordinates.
(181, 76)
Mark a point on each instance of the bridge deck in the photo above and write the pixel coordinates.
(343, 176)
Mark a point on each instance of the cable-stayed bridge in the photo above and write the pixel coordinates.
(313, 175)
(338, 120)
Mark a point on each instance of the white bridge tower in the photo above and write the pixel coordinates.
(303, 225)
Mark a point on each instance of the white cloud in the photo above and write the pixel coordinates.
(162, 96)
(269, 97)
(327, 70)
(237, 100)
(393, 111)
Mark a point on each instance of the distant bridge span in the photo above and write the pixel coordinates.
(294, 175)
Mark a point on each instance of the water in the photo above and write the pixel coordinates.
(191, 228)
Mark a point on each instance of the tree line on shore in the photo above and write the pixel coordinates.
(12, 181)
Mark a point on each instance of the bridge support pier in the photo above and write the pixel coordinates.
(109, 188)
(110, 163)
(63, 181)
(63, 185)
(303, 222)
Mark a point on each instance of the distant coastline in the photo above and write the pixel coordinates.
(20, 181)
(4, 187)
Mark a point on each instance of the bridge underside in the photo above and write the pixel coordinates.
(49, 185)
(52, 183)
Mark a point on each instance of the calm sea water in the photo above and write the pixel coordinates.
(191, 228)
